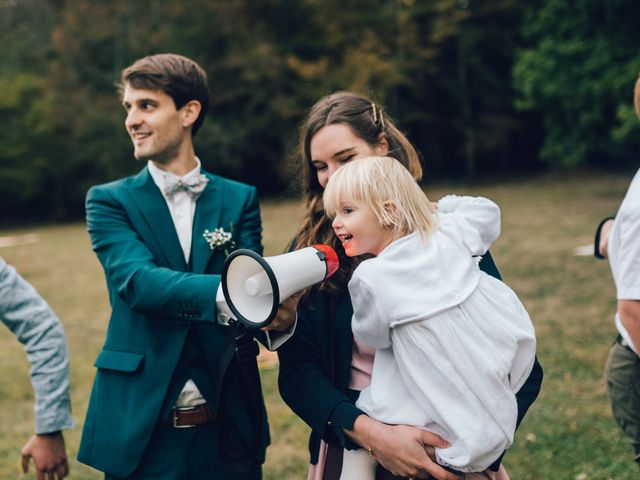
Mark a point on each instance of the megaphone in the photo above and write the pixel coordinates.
(254, 286)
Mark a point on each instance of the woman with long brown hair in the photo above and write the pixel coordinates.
(322, 369)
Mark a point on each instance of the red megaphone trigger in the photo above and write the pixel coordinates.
(330, 258)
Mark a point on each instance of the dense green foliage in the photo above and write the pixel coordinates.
(443, 68)
(579, 72)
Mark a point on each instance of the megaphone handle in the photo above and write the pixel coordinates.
(246, 346)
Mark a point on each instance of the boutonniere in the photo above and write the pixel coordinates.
(220, 239)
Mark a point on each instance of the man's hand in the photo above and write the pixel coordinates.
(49, 456)
(605, 231)
(286, 314)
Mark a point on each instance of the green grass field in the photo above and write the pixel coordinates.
(568, 433)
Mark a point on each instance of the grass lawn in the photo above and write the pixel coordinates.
(568, 433)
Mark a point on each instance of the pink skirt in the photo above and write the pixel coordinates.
(316, 471)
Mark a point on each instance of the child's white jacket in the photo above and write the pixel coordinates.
(454, 344)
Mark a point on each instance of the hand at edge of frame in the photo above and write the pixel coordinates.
(49, 456)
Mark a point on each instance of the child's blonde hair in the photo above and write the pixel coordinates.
(387, 187)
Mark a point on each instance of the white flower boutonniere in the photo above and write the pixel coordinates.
(219, 239)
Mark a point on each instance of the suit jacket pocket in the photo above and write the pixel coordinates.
(120, 361)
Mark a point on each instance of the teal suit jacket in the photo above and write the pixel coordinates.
(156, 297)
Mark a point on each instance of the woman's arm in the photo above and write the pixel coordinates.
(529, 391)
(488, 266)
(305, 379)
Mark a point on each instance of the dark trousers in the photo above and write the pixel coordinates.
(623, 384)
(185, 454)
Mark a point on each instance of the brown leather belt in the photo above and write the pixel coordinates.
(187, 417)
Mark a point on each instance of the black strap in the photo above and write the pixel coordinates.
(237, 363)
(332, 347)
(333, 463)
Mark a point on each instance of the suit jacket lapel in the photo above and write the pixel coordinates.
(155, 211)
(207, 217)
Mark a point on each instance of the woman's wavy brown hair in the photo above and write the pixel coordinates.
(368, 122)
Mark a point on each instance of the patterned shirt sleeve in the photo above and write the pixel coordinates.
(35, 325)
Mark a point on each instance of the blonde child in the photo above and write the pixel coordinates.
(453, 344)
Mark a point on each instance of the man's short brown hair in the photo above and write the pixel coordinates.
(179, 77)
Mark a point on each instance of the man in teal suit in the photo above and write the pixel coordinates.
(155, 411)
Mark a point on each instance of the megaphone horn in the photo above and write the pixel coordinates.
(254, 286)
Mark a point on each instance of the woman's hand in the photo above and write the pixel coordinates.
(401, 449)
(286, 315)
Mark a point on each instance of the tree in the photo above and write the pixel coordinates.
(441, 67)
(578, 72)
(26, 27)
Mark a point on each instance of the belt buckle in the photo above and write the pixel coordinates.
(174, 417)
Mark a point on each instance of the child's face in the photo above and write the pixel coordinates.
(359, 230)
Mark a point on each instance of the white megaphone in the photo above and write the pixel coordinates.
(254, 286)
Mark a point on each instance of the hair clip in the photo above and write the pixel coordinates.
(375, 116)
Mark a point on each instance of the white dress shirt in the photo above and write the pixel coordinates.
(182, 209)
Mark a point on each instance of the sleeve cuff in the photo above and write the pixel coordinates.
(54, 422)
(343, 417)
(274, 339)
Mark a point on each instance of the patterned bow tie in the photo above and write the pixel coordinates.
(194, 186)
